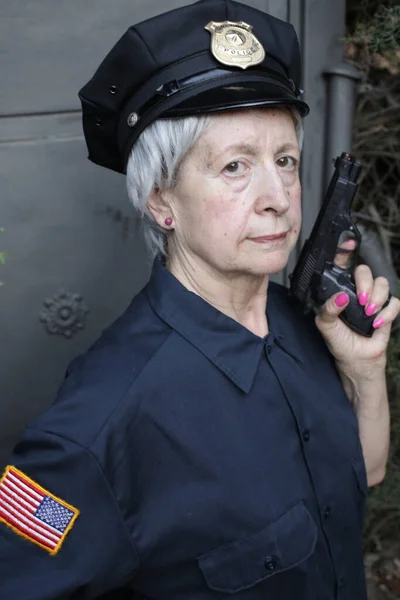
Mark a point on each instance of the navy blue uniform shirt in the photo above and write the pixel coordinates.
(186, 458)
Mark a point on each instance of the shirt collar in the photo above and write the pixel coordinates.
(232, 348)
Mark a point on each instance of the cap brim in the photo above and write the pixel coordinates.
(213, 95)
(236, 96)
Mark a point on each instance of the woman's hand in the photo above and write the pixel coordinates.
(361, 361)
(358, 356)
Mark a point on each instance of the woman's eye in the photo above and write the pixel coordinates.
(235, 168)
(288, 162)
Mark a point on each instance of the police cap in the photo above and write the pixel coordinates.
(206, 57)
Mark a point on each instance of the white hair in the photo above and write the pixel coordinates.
(155, 160)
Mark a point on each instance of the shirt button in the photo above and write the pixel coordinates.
(327, 512)
(306, 435)
(270, 563)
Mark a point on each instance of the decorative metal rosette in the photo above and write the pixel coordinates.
(64, 314)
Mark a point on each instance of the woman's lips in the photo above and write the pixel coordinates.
(270, 239)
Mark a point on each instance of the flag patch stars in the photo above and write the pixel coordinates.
(34, 513)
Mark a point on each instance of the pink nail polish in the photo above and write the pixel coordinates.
(341, 300)
(363, 298)
(378, 323)
(371, 308)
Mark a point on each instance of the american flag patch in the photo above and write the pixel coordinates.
(34, 513)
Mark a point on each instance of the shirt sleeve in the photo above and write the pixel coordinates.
(62, 534)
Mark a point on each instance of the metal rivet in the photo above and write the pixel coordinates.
(133, 119)
(113, 89)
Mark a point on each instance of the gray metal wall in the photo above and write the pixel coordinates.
(68, 225)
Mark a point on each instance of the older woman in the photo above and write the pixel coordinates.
(212, 444)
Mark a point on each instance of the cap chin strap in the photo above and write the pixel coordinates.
(176, 86)
(168, 95)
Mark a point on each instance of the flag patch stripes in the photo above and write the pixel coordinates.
(34, 513)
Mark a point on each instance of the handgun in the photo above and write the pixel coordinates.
(316, 277)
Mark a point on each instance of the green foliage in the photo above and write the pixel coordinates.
(373, 42)
(381, 33)
(373, 45)
(382, 523)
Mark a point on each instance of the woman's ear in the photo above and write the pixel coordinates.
(159, 206)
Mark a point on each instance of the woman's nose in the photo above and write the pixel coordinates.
(272, 194)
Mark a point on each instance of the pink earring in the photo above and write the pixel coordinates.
(168, 221)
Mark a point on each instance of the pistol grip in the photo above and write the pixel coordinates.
(334, 280)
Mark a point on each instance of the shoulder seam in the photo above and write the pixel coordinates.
(87, 451)
(128, 389)
(122, 396)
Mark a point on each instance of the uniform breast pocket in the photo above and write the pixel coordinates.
(282, 545)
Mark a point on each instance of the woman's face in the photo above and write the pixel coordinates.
(236, 204)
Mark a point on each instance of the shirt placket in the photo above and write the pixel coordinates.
(292, 380)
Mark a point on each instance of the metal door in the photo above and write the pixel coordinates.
(75, 253)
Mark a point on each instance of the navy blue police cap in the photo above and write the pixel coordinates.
(206, 57)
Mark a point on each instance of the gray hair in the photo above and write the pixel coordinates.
(155, 160)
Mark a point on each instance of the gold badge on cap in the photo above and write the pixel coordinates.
(234, 44)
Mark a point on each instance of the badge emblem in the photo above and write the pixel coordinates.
(234, 44)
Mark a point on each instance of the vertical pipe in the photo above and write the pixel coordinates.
(342, 94)
(342, 80)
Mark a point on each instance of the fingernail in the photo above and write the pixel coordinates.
(363, 298)
(341, 300)
(371, 308)
(378, 323)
